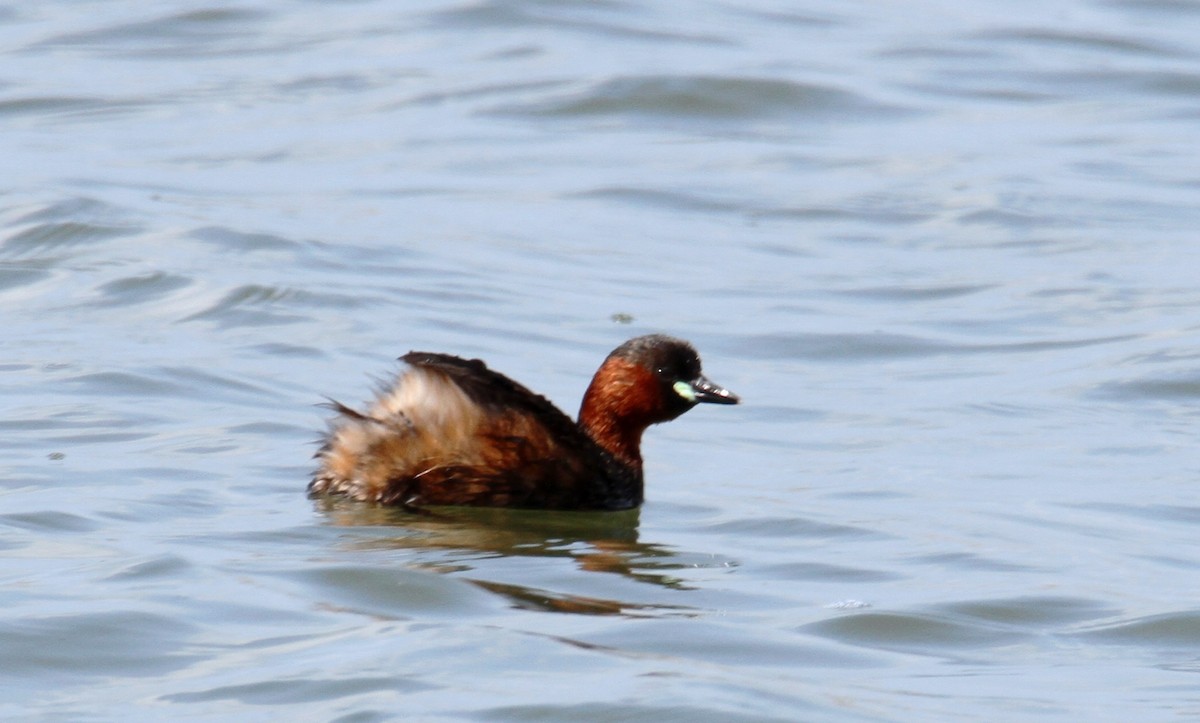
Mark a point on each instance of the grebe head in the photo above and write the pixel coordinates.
(677, 376)
(646, 380)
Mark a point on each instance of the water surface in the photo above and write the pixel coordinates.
(945, 253)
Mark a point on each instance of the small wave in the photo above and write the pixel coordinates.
(926, 633)
(866, 347)
(1175, 629)
(49, 237)
(1152, 389)
(704, 98)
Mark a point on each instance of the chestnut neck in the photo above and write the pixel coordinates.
(618, 406)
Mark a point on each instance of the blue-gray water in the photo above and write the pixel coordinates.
(946, 252)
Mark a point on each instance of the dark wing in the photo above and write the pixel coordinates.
(494, 391)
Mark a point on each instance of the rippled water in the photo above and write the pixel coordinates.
(946, 253)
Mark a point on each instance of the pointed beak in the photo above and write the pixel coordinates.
(706, 391)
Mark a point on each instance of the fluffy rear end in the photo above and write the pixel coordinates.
(422, 422)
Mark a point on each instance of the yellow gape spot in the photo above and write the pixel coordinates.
(684, 389)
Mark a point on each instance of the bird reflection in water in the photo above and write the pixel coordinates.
(460, 537)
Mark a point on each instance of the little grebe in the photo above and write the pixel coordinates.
(450, 431)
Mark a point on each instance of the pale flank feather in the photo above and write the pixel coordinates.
(424, 416)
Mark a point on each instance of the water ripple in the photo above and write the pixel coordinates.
(1036, 612)
(821, 572)
(709, 98)
(141, 288)
(68, 107)
(670, 200)
(392, 592)
(1103, 44)
(1175, 630)
(260, 305)
(867, 347)
(14, 276)
(1179, 388)
(583, 18)
(180, 382)
(160, 567)
(193, 33)
(232, 240)
(300, 690)
(922, 293)
(48, 520)
(103, 644)
(790, 527)
(924, 633)
(49, 237)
